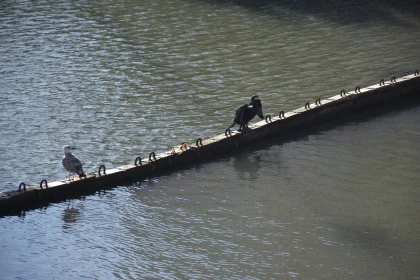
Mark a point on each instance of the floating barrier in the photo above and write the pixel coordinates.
(27, 197)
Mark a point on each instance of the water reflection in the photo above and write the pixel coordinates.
(22, 214)
(247, 166)
(72, 212)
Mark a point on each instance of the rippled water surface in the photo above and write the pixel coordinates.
(122, 79)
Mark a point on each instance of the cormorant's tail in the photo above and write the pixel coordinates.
(231, 125)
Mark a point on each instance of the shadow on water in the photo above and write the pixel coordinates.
(343, 12)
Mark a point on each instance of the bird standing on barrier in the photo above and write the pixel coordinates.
(245, 113)
(71, 163)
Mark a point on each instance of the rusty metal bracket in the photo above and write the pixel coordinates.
(357, 90)
(99, 170)
(267, 118)
(199, 142)
(382, 82)
(152, 154)
(43, 182)
(183, 147)
(281, 115)
(307, 106)
(22, 185)
(137, 161)
(342, 93)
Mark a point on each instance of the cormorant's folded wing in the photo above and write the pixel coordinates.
(240, 109)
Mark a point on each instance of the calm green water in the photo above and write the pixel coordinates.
(122, 79)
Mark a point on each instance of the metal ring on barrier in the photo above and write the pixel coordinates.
(228, 132)
(183, 147)
(416, 72)
(318, 102)
(268, 118)
(393, 79)
(46, 184)
(382, 82)
(357, 89)
(199, 142)
(281, 114)
(137, 161)
(24, 187)
(342, 93)
(152, 154)
(100, 168)
(307, 105)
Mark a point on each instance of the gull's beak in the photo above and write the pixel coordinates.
(73, 148)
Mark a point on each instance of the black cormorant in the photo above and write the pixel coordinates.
(245, 113)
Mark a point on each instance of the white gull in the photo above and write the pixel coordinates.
(71, 163)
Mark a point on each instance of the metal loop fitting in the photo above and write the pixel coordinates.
(42, 183)
(268, 118)
(228, 132)
(416, 72)
(22, 185)
(183, 147)
(281, 115)
(342, 93)
(199, 142)
(137, 161)
(357, 89)
(100, 168)
(152, 154)
(382, 82)
(318, 102)
(307, 105)
(393, 79)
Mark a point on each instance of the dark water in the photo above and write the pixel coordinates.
(121, 79)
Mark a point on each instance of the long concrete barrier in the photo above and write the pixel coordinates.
(29, 197)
